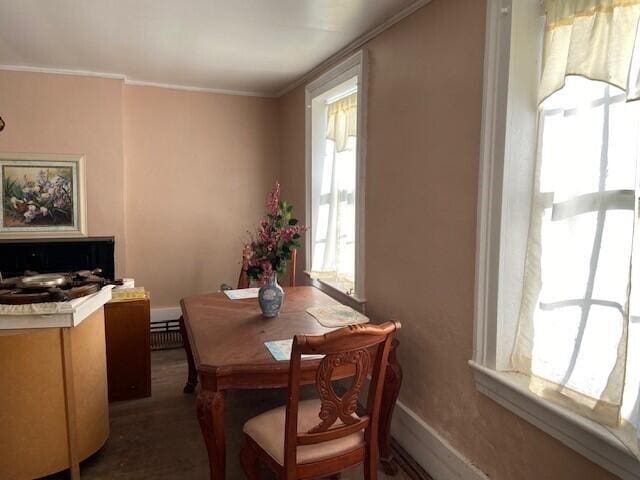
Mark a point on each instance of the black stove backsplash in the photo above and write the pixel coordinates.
(50, 255)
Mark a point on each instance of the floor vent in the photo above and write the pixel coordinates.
(165, 335)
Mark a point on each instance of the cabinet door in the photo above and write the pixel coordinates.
(128, 349)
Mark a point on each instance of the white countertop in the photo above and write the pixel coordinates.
(53, 314)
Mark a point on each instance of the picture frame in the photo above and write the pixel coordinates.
(42, 196)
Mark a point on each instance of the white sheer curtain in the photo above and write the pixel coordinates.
(579, 329)
(334, 229)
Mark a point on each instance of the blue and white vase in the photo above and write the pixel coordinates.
(270, 297)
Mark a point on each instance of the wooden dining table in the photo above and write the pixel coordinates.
(225, 350)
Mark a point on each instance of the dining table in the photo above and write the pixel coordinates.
(226, 350)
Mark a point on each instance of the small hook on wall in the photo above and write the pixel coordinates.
(1, 124)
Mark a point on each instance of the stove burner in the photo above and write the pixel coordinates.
(61, 287)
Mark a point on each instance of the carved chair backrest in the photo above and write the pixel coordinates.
(348, 352)
(243, 280)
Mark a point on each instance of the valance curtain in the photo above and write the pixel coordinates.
(596, 39)
(578, 334)
(342, 121)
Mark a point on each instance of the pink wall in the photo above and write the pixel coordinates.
(424, 103)
(198, 170)
(76, 115)
(178, 177)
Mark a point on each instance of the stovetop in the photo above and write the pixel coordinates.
(58, 287)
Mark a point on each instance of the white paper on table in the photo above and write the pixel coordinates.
(242, 293)
(281, 350)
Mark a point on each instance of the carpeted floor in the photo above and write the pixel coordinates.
(159, 437)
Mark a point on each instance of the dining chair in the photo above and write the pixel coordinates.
(323, 437)
(243, 282)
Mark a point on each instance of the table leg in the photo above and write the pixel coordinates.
(210, 406)
(192, 378)
(392, 383)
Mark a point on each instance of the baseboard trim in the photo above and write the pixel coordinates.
(427, 447)
(407, 463)
(165, 314)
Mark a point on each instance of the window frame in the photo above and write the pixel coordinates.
(492, 259)
(353, 66)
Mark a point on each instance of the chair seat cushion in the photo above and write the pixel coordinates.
(267, 430)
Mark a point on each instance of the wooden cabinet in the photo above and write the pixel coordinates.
(127, 329)
(53, 398)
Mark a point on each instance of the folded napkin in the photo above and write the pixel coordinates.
(337, 316)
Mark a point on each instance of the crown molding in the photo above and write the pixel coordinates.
(130, 81)
(62, 71)
(356, 44)
(220, 91)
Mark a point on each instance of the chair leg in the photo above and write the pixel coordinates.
(192, 378)
(371, 466)
(250, 463)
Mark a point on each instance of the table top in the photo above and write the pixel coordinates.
(227, 336)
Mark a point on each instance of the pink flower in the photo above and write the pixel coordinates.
(247, 253)
(267, 270)
(288, 232)
(270, 247)
(263, 231)
(273, 200)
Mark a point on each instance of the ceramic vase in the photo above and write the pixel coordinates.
(270, 297)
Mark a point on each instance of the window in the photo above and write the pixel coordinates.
(556, 330)
(334, 171)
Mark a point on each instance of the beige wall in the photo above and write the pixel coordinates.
(79, 115)
(181, 178)
(177, 177)
(425, 93)
(198, 169)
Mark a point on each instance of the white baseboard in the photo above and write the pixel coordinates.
(165, 313)
(429, 449)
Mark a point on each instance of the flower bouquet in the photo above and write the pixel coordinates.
(267, 254)
(45, 200)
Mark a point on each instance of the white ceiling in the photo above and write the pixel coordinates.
(257, 46)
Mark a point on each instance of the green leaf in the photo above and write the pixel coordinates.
(293, 221)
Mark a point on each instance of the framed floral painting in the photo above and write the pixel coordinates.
(42, 196)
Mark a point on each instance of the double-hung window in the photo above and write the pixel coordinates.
(558, 282)
(334, 173)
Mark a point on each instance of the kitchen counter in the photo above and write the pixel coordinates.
(53, 314)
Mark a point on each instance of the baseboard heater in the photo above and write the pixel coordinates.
(165, 335)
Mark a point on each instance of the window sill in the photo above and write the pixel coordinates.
(350, 300)
(584, 436)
